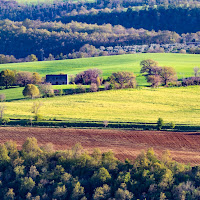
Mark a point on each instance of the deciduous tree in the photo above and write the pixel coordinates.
(27, 184)
(36, 78)
(78, 192)
(102, 192)
(10, 195)
(168, 74)
(2, 110)
(35, 109)
(23, 78)
(2, 97)
(89, 76)
(155, 80)
(32, 58)
(46, 89)
(60, 192)
(196, 71)
(123, 80)
(7, 78)
(101, 176)
(31, 91)
(149, 67)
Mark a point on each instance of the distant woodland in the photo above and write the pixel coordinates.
(21, 39)
(64, 27)
(161, 17)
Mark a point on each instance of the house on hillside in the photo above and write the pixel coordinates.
(60, 79)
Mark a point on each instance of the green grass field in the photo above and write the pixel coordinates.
(13, 94)
(183, 64)
(179, 105)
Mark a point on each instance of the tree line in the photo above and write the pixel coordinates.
(38, 173)
(22, 78)
(51, 11)
(160, 18)
(43, 39)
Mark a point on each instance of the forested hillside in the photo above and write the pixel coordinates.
(178, 19)
(43, 38)
(161, 17)
(52, 28)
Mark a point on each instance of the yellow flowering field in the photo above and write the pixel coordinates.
(179, 105)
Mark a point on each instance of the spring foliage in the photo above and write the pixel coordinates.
(40, 173)
(31, 91)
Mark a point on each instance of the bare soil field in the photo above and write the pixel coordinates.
(184, 146)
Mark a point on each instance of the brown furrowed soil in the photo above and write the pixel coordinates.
(184, 146)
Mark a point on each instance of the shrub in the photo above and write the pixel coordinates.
(175, 84)
(38, 117)
(46, 90)
(2, 97)
(183, 51)
(93, 87)
(196, 71)
(105, 123)
(172, 125)
(160, 123)
(81, 88)
(56, 92)
(5, 121)
(107, 86)
(191, 81)
(61, 92)
(35, 109)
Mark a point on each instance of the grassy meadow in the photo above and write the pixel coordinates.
(183, 64)
(13, 94)
(145, 104)
(179, 105)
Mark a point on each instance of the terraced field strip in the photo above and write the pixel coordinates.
(184, 147)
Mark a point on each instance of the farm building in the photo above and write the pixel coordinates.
(61, 79)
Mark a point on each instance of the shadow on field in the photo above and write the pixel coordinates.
(15, 99)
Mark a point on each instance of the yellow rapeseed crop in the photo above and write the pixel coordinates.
(179, 105)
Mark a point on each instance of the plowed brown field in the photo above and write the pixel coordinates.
(184, 147)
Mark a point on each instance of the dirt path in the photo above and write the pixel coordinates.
(184, 147)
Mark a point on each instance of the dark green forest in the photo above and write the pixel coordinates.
(172, 18)
(178, 16)
(39, 172)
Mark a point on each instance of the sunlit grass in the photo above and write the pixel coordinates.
(179, 105)
(183, 64)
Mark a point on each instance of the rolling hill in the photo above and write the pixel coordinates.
(183, 64)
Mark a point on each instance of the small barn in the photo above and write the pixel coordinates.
(60, 79)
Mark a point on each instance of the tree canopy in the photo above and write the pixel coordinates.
(39, 172)
(7, 78)
(31, 91)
